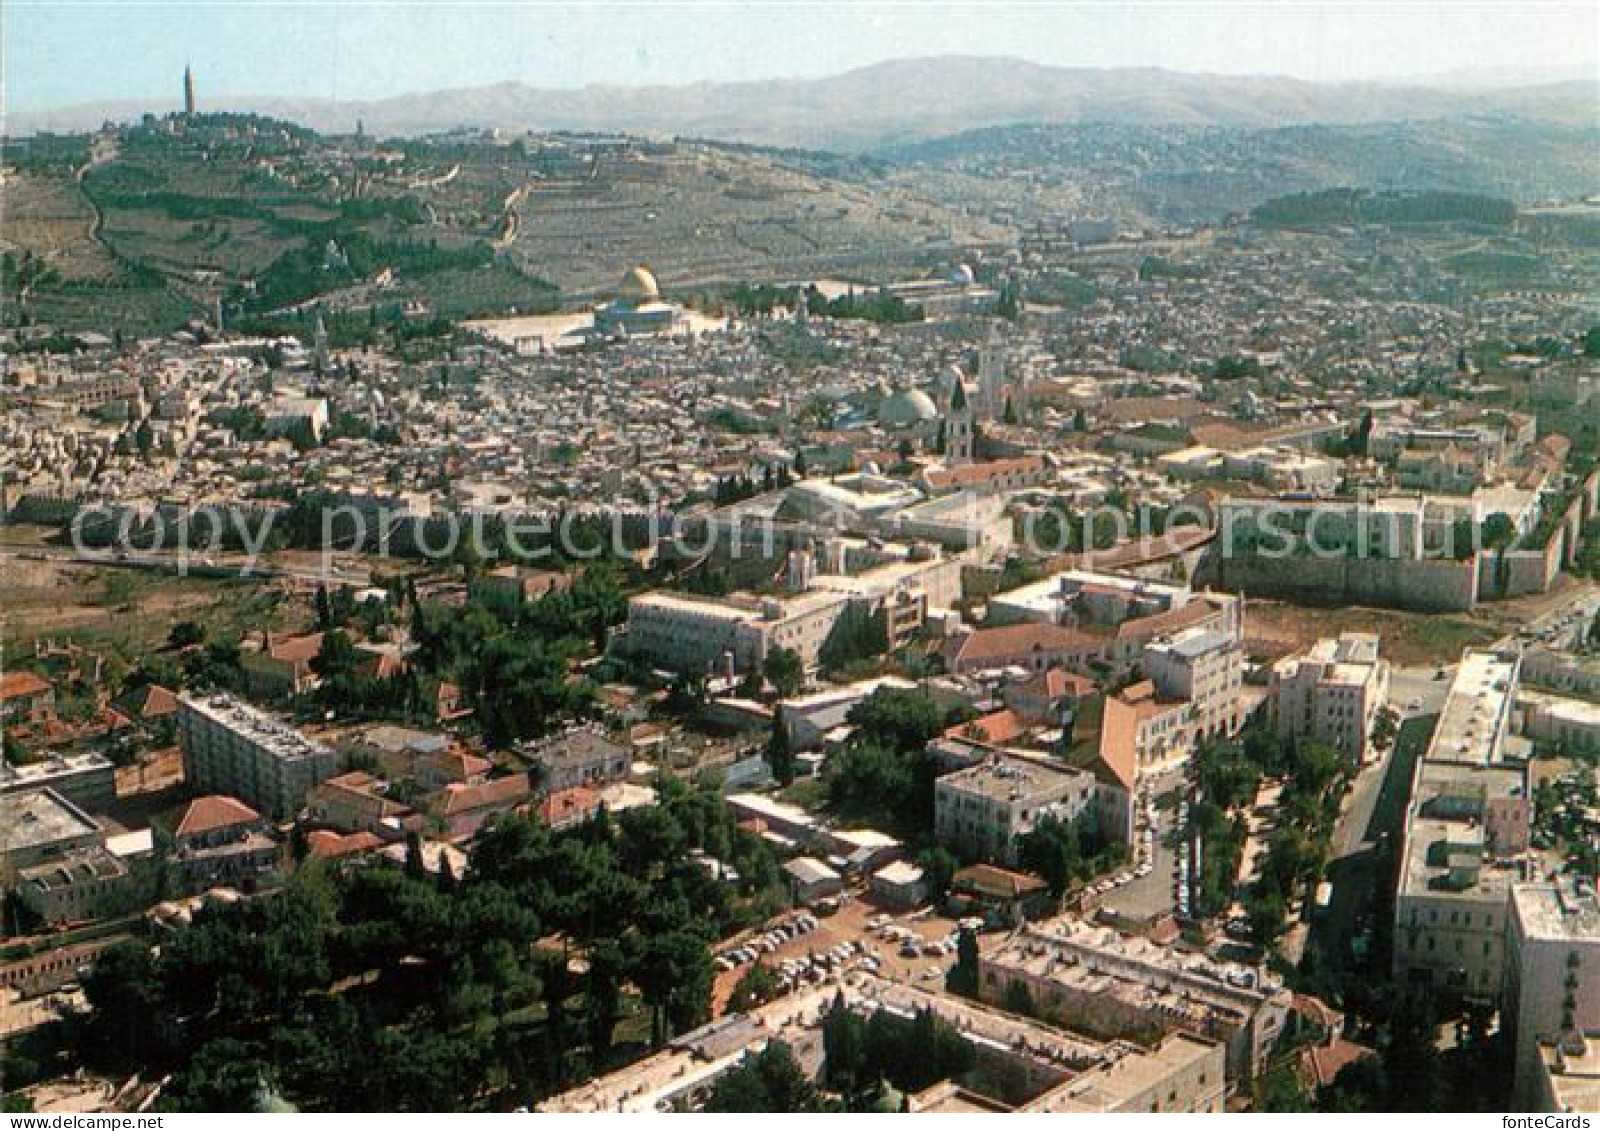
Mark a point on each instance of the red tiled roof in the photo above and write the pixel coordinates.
(986, 879)
(325, 844)
(460, 798)
(16, 684)
(1323, 1063)
(217, 811)
(156, 702)
(1001, 726)
(1169, 621)
(1053, 683)
(1012, 640)
(565, 803)
(1315, 1010)
(982, 472)
(295, 649)
(381, 665)
(1118, 761)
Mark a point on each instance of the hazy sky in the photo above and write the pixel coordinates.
(58, 52)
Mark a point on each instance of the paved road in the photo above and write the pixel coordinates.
(1372, 815)
(1561, 625)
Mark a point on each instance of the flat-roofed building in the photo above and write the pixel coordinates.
(779, 819)
(1465, 837)
(230, 747)
(580, 756)
(1552, 976)
(1332, 694)
(87, 883)
(811, 879)
(40, 824)
(984, 809)
(1099, 981)
(1205, 668)
(1179, 1074)
(1573, 724)
(808, 719)
(1044, 1068)
(1568, 1074)
(87, 779)
(683, 632)
(1086, 597)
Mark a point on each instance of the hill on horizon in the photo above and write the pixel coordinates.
(895, 102)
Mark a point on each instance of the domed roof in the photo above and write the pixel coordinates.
(962, 275)
(638, 284)
(905, 407)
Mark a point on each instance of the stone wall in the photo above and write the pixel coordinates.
(1426, 585)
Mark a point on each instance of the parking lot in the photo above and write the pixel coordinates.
(1150, 890)
(917, 947)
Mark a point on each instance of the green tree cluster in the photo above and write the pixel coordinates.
(387, 989)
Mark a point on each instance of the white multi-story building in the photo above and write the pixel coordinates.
(1332, 694)
(726, 635)
(733, 634)
(1205, 668)
(232, 748)
(1096, 980)
(1552, 973)
(984, 809)
(1466, 836)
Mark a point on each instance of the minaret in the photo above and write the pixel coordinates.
(188, 92)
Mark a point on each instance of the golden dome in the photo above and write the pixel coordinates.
(639, 285)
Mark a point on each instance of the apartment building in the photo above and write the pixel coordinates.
(230, 747)
(1205, 668)
(1332, 694)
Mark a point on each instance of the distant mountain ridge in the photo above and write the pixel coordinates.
(896, 102)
